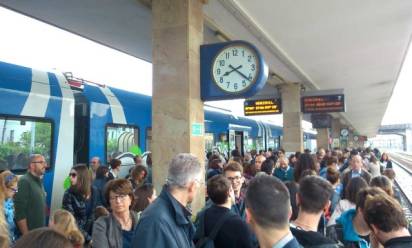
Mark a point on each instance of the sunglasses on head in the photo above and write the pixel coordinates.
(72, 175)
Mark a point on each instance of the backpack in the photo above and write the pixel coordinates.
(208, 241)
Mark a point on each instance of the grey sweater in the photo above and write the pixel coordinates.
(107, 231)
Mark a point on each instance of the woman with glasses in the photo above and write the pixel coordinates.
(81, 199)
(116, 229)
(8, 188)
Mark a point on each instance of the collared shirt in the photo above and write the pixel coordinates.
(356, 173)
(283, 241)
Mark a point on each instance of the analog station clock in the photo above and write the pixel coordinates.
(235, 68)
(344, 132)
(231, 70)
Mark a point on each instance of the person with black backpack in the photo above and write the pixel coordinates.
(217, 226)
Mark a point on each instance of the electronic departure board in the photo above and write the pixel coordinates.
(262, 107)
(323, 103)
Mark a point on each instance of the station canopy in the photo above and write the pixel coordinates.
(355, 45)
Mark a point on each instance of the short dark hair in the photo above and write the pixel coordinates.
(137, 170)
(114, 163)
(331, 160)
(142, 195)
(118, 186)
(218, 188)
(354, 186)
(233, 166)
(267, 166)
(215, 163)
(384, 212)
(101, 172)
(314, 193)
(268, 200)
(332, 175)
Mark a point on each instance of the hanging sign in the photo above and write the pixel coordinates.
(262, 107)
(323, 103)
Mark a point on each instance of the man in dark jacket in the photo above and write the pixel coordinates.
(233, 232)
(356, 165)
(312, 198)
(166, 222)
(387, 221)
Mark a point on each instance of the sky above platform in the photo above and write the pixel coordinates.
(31, 43)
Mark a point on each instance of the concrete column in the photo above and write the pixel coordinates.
(336, 127)
(322, 138)
(176, 103)
(292, 117)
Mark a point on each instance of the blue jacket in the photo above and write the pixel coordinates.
(284, 175)
(9, 214)
(165, 223)
(349, 233)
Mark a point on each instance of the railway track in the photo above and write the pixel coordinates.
(401, 165)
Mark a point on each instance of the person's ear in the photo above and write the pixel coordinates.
(192, 187)
(374, 229)
(297, 199)
(327, 205)
(249, 216)
(290, 212)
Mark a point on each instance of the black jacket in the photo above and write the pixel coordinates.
(233, 233)
(313, 239)
(76, 204)
(401, 242)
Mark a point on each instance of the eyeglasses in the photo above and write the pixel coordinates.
(39, 162)
(72, 175)
(118, 197)
(13, 189)
(237, 178)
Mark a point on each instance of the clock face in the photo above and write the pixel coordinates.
(235, 68)
(344, 132)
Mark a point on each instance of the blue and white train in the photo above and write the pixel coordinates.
(70, 121)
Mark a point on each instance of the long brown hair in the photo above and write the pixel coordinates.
(84, 180)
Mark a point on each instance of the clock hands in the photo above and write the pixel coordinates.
(240, 73)
(233, 69)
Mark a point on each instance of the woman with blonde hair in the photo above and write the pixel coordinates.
(8, 188)
(64, 222)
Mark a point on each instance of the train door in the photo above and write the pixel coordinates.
(239, 142)
(232, 142)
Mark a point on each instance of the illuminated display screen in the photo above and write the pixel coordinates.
(323, 104)
(262, 107)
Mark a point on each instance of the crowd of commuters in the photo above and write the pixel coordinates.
(337, 198)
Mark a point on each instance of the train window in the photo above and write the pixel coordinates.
(149, 139)
(122, 142)
(260, 144)
(20, 137)
(209, 141)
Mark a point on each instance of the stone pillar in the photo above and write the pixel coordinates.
(336, 127)
(322, 138)
(176, 104)
(292, 117)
